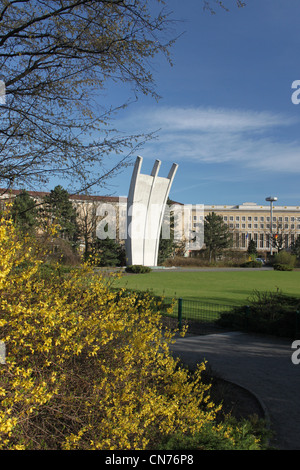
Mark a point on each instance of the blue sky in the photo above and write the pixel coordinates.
(225, 115)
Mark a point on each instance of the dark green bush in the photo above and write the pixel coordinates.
(252, 264)
(138, 269)
(267, 312)
(244, 434)
(282, 267)
(106, 253)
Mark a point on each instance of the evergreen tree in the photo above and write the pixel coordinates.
(216, 235)
(59, 208)
(109, 252)
(252, 251)
(24, 212)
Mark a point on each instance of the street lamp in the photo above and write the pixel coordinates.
(271, 199)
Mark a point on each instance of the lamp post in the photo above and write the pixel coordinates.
(271, 199)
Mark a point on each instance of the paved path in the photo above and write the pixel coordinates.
(262, 365)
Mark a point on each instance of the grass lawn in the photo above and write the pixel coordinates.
(214, 287)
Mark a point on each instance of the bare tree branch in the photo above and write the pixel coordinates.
(207, 5)
(55, 57)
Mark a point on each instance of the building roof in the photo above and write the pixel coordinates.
(74, 197)
(249, 206)
(77, 197)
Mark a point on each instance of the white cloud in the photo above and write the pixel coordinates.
(211, 135)
(212, 119)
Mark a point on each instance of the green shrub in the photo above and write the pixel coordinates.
(138, 269)
(267, 312)
(282, 267)
(252, 264)
(243, 436)
(285, 258)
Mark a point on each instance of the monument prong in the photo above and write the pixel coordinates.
(156, 168)
(172, 172)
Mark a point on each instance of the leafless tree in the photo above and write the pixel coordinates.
(56, 58)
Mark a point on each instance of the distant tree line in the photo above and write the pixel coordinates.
(73, 228)
(57, 210)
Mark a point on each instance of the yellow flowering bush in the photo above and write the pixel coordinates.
(86, 367)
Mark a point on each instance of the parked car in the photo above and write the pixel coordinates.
(261, 260)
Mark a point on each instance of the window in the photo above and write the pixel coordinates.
(261, 240)
(249, 225)
(225, 218)
(243, 241)
(255, 239)
(262, 226)
(231, 218)
(250, 218)
(286, 241)
(262, 219)
(237, 225)
(255, 226)
(243, 218)
(237, 218)
(243, 225)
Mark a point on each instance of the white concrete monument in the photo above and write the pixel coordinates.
(146, 204)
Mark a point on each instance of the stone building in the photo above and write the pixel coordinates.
(249, 220)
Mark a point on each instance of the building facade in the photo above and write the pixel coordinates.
(251, 221)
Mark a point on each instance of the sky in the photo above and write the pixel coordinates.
(228, 115)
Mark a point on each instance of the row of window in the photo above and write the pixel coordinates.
(261, 219)
(251, 218)
(265, 226)
(261, 240)
(260, 226)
